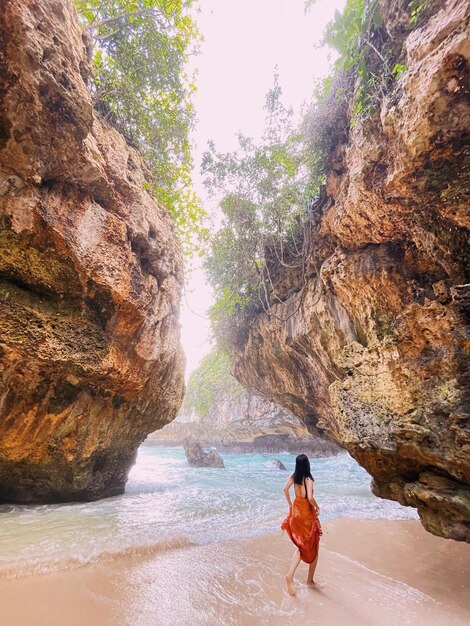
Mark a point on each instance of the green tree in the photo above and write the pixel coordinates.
(140, 85)
(366, 51)
(262, 188)
(210, 381)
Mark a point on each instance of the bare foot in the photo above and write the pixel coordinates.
(310, 583)
(290, 587)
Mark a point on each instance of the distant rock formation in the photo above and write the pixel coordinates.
(90, 275)
(243, 422)
(200, 458)
(279, 464)
(219, 412)
(376, 348)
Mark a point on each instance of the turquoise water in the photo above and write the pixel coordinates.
(169, 504)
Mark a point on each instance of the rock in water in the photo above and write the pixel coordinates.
(200, 458)
(279, 464)
(90, 358)
(375, 349)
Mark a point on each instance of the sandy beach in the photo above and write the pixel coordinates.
(370, 572)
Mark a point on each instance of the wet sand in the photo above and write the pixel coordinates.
(369, 573)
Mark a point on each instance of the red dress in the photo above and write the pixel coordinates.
(303, 527)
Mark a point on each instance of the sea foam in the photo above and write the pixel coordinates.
(169, 505)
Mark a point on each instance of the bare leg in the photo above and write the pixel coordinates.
(311, 572)
(290, 575)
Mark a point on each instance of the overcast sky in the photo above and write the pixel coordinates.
(244, 42)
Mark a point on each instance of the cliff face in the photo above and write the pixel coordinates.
(246, 423)
(90, 275)
(375, 352)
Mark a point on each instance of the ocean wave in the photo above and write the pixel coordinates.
(37, 567)
(169, 505)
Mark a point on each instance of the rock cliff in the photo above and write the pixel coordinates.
(245, 423)
(90, 275)
(375, 350)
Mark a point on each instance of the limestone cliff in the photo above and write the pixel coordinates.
(246, 423)
(375, 349)
(90, 275)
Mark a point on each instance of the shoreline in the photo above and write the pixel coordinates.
(396, 565)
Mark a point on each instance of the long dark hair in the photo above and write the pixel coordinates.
(302, 469)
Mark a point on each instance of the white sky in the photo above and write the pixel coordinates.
(244, 41)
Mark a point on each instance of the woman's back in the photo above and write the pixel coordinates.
(301, 490)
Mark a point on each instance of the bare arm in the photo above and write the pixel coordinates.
(289, 484)
(310, 497)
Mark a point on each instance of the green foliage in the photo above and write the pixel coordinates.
(398, 69)
(262, 189)
(367, 52)
(357, 35)
(210, 382)
(416, 11)
(140, 85)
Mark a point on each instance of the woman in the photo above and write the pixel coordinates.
(302, 523)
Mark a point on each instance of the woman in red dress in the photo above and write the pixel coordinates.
(302, 523)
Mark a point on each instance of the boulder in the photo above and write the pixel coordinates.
(198, 457)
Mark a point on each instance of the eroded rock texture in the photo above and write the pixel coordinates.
(375, 351)
(90, 274)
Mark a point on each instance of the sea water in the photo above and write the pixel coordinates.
(168, 504)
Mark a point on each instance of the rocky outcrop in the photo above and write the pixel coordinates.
(375, 346)
(198, 457)
(279, 464)
(90, 275)
(245, 423)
